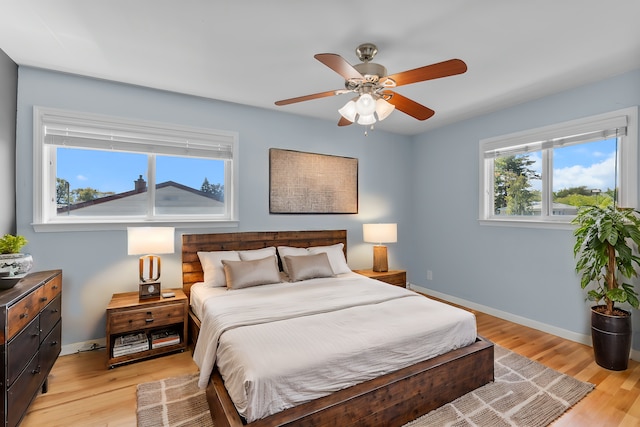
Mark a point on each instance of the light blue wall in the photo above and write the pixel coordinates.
(522, 271)
(95, 264)
(428, 184)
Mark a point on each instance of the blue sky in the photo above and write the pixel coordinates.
(116, 171)
(591, 165)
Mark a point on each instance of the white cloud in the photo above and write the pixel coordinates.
(599, 175)
(82, 178)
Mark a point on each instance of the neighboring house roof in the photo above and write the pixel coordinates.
(171, 197)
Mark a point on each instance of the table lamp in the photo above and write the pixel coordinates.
(380, 233)
(149, 242)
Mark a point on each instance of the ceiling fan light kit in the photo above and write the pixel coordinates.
(373, 87)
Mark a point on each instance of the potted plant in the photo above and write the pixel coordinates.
(606, 239)
(13, 264)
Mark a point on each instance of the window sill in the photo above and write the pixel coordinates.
(122, 225)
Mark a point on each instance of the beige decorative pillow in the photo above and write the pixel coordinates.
(212, 266)
(304, 267)
(243, 274)
(336, 257)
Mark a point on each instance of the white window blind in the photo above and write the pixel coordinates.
(577, 134)
(120, 135)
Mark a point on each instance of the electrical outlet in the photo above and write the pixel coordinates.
(429, 275)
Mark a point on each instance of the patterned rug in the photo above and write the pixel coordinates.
(525, 393)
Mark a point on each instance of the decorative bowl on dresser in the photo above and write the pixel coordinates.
(30, 340)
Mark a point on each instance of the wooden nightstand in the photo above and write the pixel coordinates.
(392, 277)
(127, 315)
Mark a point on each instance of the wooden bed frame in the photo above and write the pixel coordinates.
(390, 400)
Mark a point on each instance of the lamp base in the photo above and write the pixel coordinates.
(148, 290)
(380, 258)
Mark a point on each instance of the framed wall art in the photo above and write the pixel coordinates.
(309, 183)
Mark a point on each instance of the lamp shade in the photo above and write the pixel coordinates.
(380, 233)
(150, 240)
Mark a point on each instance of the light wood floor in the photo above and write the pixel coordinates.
(82, 392)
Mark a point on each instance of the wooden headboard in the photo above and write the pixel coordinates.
(192, 243)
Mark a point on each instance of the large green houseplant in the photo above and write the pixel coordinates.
(606, 255)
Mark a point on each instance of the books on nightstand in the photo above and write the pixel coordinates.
(164, 338)
(128, 344)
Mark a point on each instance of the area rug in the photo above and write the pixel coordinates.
(525, 393)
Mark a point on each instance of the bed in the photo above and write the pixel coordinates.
(390, 398)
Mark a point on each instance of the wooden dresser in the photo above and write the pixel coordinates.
(30, 337)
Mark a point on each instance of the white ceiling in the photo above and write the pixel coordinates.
(256, 52)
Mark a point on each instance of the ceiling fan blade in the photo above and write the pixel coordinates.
(309, 97)
(430, 72)
(408, 106)
(338, 64)
(344, 122)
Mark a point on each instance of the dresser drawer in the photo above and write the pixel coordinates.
(131, 320)
(49, 316)
(23, 390)
(50, 348)
(20, 350)
(50, 290)
(24, 311)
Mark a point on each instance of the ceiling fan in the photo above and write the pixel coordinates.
(375, 97)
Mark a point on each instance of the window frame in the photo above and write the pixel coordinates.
(171, 139)
(537, 140)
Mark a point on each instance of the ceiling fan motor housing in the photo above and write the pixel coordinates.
(371, 72)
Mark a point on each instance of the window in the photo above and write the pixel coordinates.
(543, 176)
(94, 170)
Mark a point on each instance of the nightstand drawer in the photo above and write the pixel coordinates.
(392, 277)
(398, 279)
(131, 320)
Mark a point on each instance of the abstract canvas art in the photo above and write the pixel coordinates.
(309, 183)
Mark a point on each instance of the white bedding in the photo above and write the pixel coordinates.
(280, 345)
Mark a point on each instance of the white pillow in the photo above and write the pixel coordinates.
(336, 257)
(254, 254)
(243, 274)
(212, 266)
(305, 267)
(290, 250)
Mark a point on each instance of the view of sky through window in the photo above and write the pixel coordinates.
(113, 171)
(591, 165)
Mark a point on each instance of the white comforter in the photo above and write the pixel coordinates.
(277, 346)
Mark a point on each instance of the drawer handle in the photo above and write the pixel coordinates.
(43, 299)
(54, 343)
(55, 286)
(36, 371)
(148, 320)
(25, 314)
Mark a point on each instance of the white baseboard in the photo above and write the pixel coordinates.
(550, 329)
(80, 347)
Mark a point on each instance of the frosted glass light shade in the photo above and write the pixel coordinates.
(366, 120)
(383, 108)
(380, 233)
(150, 240)
(349, 111)
(366, 105)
